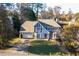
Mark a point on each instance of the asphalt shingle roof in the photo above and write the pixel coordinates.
(29, 25)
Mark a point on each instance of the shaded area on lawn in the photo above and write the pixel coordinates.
(42, 47)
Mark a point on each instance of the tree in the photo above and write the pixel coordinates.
(71, 38)
(57, 11)
(28, 14)
(16, 24)
(44, 14)
(36, 7)
(50, 11)
(69, 15)
(3, 28)
(77, 17)
(47, 14)
(63, 16)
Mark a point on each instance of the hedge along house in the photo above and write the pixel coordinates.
(42, 29)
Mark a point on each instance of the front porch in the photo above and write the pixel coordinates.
(47, 36)
(37, 36)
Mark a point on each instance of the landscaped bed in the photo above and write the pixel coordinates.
(42, 47)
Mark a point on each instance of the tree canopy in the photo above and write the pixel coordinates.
(28, 14)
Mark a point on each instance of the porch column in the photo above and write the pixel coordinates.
(54, 35)
(20, 34)
(35, 35)
(48, 36)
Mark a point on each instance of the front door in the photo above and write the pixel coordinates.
(38, 36)
(45, 35)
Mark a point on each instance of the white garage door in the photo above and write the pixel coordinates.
(27, 35)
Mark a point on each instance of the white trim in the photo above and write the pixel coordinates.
(54, 35)
(22, 31)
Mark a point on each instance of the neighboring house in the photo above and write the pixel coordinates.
(69, 23)
(41, 29)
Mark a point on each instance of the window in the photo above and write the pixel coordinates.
(38, 29)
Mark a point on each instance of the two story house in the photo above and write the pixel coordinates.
(42, 29)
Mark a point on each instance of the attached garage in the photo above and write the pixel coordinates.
(26, 35)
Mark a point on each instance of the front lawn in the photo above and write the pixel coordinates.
(42, 47)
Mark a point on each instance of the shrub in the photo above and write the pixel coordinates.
(16, 41)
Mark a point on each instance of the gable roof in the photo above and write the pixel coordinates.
(29, 25)
(46, 26)
(42, 25)
(50, 22)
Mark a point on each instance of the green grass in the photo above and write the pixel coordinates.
(42, 47)
(40, 42)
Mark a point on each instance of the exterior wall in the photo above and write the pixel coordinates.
(41, 31)
(26, 35)
(56, 33)
(52, 33)
(42, 36)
